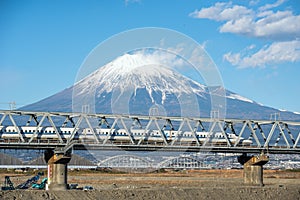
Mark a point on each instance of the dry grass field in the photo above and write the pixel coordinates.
(186, 184)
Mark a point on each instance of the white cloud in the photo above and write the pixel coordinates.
(281, 26)
(235, 12)
(211, 12)
(253, 2)
(243, 25)
(262, 23)
(277, 52)
(161, 57)
(252, 46)
(274, 5)
(221, 12)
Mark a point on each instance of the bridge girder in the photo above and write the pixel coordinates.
(170, 132)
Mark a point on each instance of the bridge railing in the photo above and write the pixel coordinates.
(57, 128)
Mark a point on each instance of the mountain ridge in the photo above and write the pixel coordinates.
(136, 83)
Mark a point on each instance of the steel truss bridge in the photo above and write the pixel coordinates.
(136, 162)
(79, 131)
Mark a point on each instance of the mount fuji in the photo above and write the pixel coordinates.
(139, 84)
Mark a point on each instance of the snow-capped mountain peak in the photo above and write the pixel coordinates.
(154, 85)
(138, 71)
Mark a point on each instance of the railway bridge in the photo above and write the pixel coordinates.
(59, 133)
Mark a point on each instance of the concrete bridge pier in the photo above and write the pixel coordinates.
(253, 168)
(57, 169)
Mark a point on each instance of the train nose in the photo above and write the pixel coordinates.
(247, 142)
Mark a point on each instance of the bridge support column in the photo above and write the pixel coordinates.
(57, 170)
(253, 168)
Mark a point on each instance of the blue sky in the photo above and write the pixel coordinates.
(255, 44)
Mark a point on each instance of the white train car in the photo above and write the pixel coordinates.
(86, 131)
(105, 131)
(121, 135)
(68, 130)
(9, 132)
(49, 130)
(140, 133)
(155, 137)
(101, 133)
(31, 129)
(11, 129)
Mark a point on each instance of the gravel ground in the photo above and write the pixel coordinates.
(202, 184)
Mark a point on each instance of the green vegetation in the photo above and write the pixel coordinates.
(292, 170)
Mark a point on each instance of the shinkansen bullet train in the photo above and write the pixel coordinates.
(120, 135)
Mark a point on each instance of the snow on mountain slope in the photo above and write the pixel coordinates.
(138, 71)
(239, 97)
(152, 83)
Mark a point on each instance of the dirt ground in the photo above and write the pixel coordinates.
(192, 184)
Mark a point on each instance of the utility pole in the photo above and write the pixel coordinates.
(12, 105)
